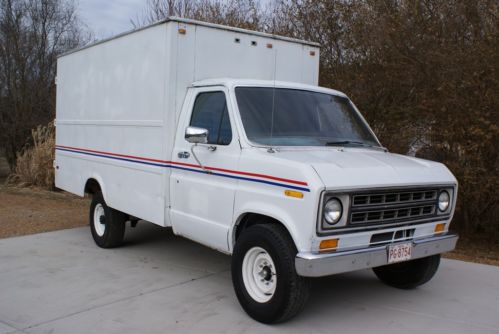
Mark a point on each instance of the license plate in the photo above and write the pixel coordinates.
(399, 252)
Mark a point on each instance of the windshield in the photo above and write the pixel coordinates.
(290, 117)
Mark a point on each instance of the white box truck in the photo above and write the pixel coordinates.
(223, 135)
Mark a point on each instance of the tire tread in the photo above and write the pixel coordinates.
(115, 225)
(297, 287)
(409, 275)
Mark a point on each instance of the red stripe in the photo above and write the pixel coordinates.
(113, 154)
(242, 173)
(188, 165)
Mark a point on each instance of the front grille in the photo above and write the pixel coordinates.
(394, 197)
(390, 206)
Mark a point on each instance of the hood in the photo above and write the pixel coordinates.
(359, 168)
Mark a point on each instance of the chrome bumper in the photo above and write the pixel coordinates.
(316, 265)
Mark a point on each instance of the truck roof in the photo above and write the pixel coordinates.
(230, 83)
(200, 23)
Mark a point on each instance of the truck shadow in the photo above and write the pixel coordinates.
(328, 294)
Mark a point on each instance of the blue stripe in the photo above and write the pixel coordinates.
(241, 178)
(188, 169)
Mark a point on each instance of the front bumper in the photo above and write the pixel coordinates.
(316, 265)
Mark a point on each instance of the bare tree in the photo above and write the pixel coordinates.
(249, 14)
(32, 34)
(425, 74)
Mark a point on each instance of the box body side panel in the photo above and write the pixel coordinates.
(111, 122)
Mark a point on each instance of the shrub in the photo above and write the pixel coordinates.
(34, 164)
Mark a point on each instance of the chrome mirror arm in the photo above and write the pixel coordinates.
(197, 160)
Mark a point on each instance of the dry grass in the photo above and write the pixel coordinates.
(34, 166)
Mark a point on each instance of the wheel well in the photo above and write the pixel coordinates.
(92, 186)
(250, 219)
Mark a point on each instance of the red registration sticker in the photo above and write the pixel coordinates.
(399, 252)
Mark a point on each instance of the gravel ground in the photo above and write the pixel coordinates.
(479, 248)
(30, 211)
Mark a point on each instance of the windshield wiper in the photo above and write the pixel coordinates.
(346, 142)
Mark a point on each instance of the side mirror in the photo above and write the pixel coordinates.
(196, 135)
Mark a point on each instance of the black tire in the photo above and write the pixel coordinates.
(114, 222)
(409, 275)
(291, 290)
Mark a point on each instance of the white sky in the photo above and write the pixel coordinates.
(109, 17)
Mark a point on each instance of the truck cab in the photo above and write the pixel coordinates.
(302, 158)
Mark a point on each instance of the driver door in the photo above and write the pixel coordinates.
(202, 200)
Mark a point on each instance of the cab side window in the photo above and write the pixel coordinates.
(210, 112)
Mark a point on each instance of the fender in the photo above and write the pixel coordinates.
(264, 209)
(99, 180)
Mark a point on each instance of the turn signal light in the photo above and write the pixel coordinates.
(439, 228)
(293, 193)
(328, 244)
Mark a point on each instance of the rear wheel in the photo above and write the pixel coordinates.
(408, 275)
(264, 275)
(107, 224)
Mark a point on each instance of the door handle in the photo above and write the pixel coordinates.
(183, 155)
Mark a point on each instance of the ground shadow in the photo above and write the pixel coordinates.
(326, 292)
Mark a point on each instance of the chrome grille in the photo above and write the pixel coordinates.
(389, 206)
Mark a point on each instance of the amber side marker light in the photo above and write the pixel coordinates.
(182, 31)
(293, 193)
(439, 228)
(328, 244)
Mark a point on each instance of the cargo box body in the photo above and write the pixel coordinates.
(121, 99)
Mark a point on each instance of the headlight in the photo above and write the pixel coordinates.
(443, 201)
(332, 211)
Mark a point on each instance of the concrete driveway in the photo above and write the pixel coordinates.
(60, 282)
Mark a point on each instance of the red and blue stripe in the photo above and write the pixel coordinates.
(222, 172)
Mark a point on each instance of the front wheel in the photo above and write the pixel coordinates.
(264, 275)
(408, 275)
(107, 224)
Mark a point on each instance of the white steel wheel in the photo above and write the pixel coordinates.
(106, 224)
(259, 274)
(99, 220)
(264, 275)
